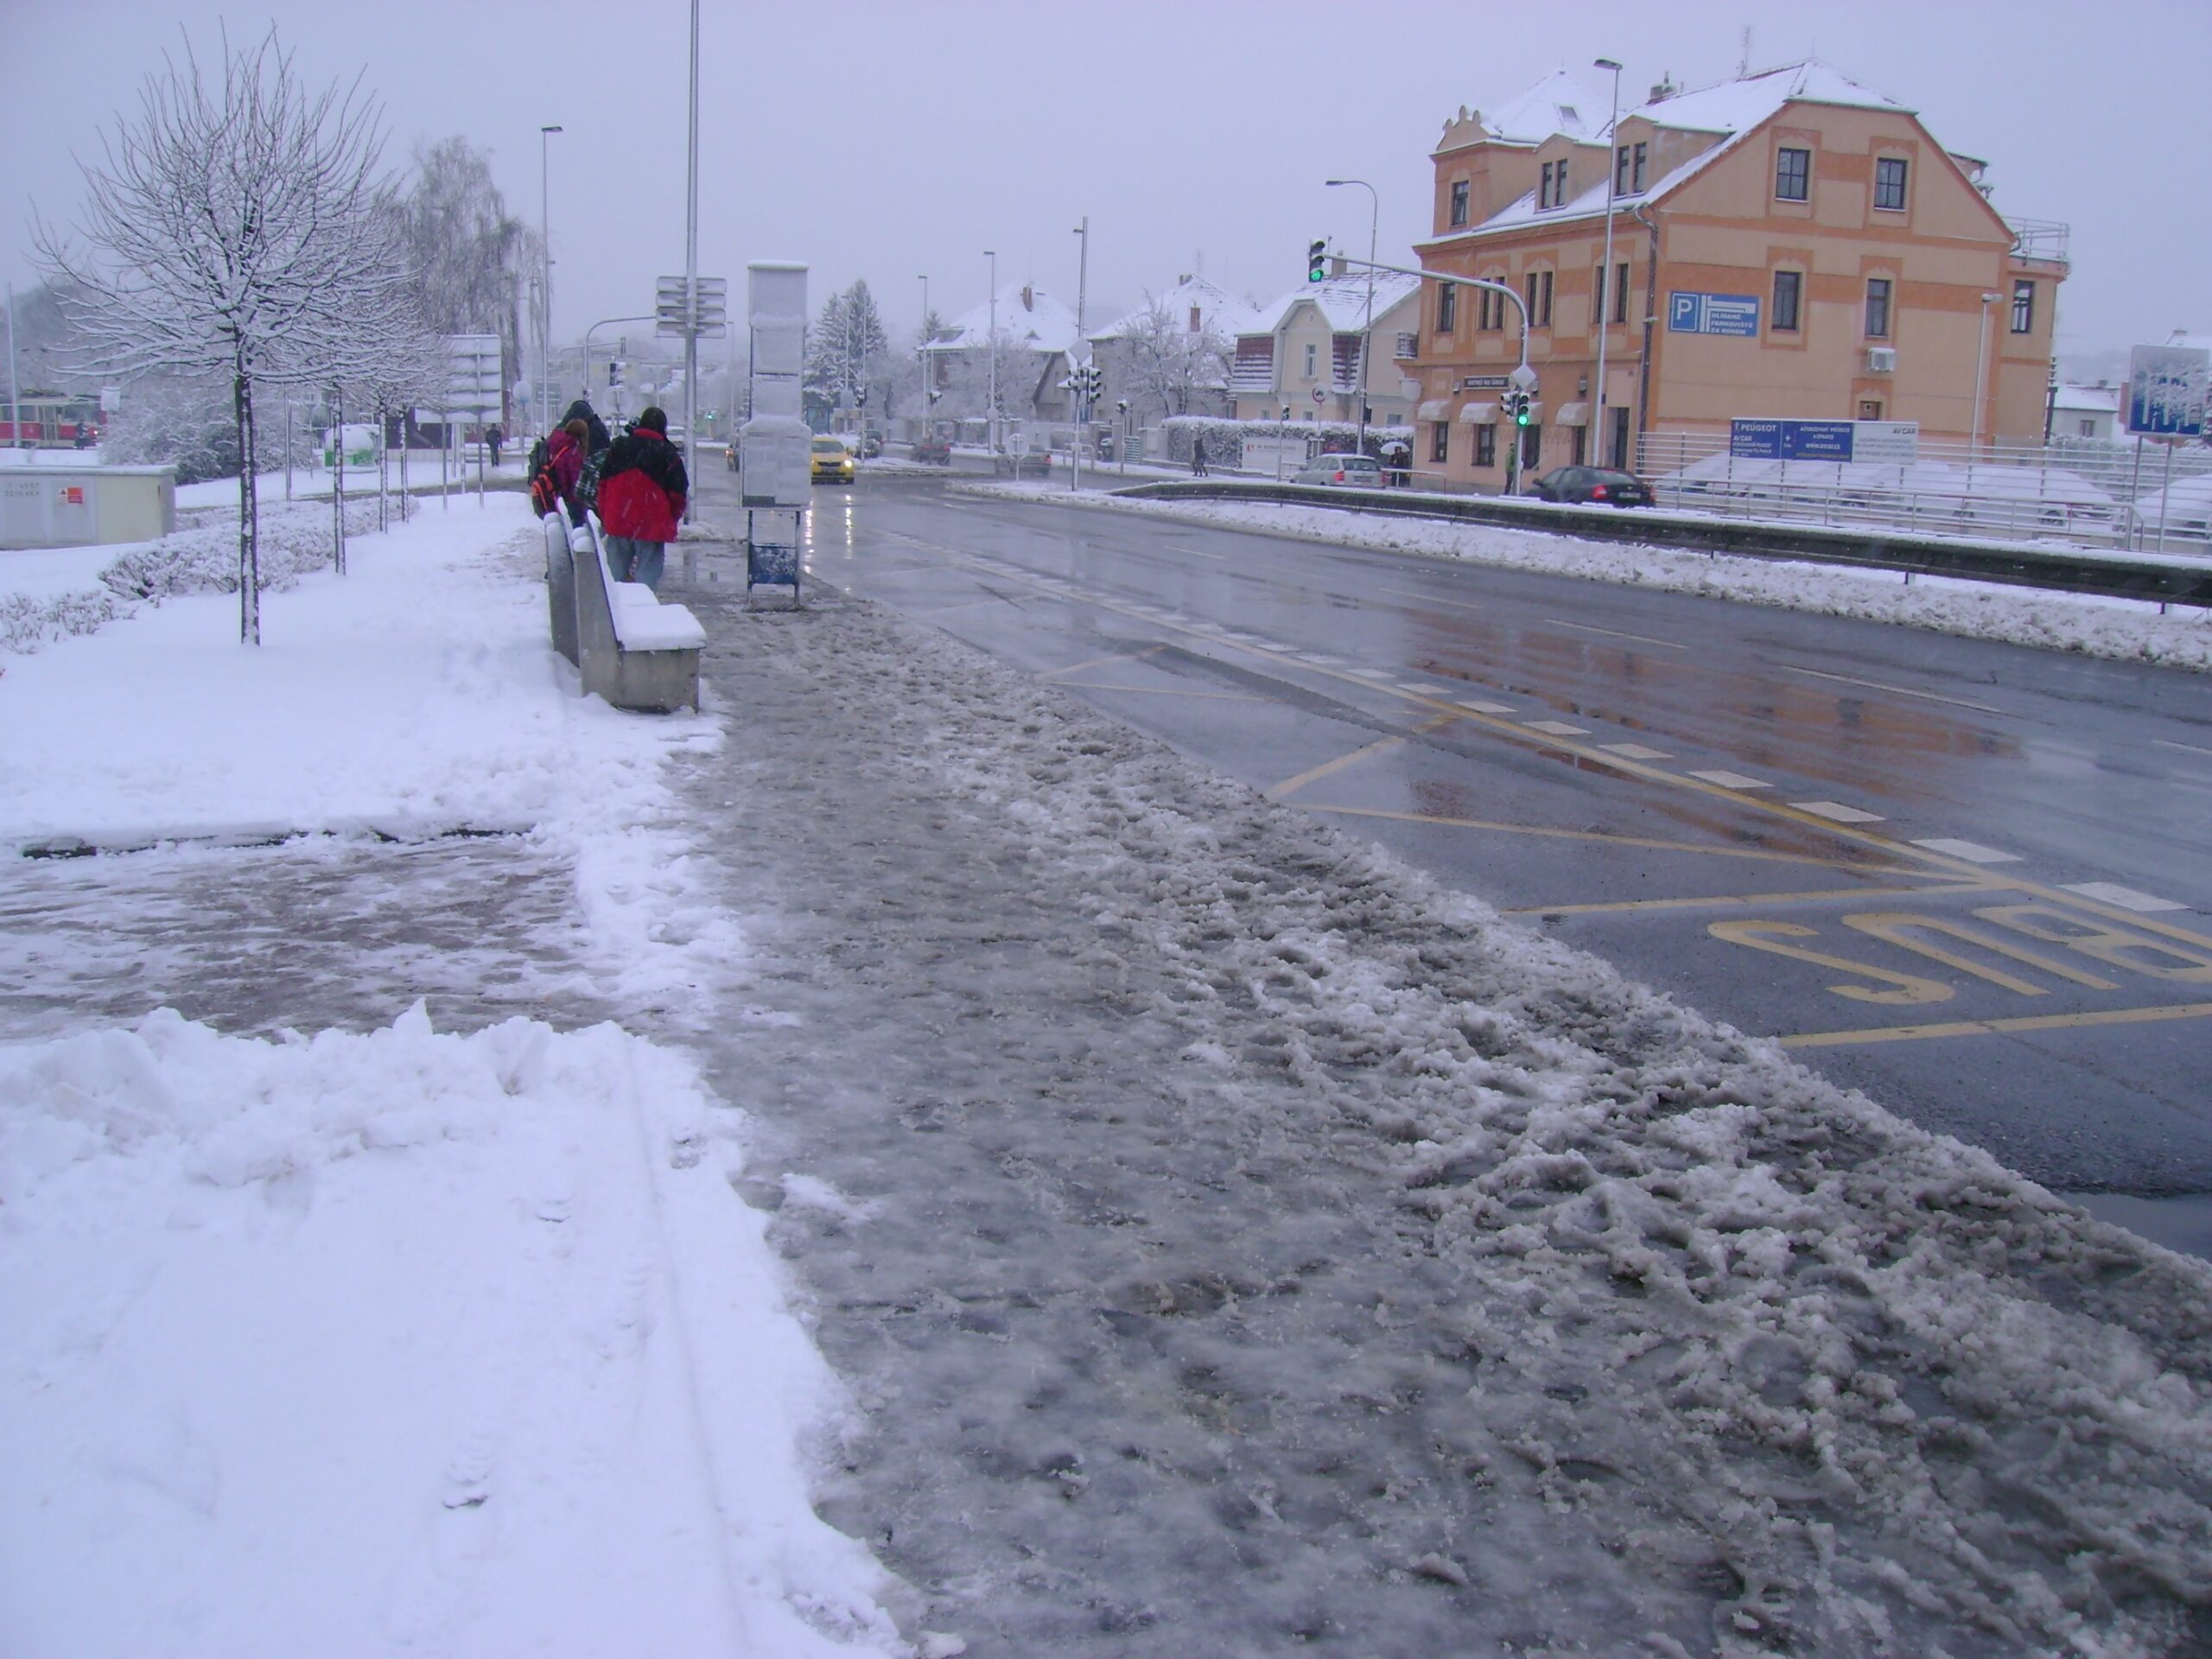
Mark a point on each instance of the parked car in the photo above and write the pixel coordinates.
(1025, 463)
(1593, 485)
(937, 450)
(1350, 472)
(830, 460)
(867, 445)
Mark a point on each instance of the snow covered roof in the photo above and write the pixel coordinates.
(1342, 302)
(1216, 304)
(2104, 399)
(1559, 103)
(1737, 107)
(1030, 318)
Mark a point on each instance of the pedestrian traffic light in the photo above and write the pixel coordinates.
(1317, 261)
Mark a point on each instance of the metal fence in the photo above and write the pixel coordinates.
(2140, 497)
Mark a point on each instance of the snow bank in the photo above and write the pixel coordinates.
(2124, 630)
(398, 1341)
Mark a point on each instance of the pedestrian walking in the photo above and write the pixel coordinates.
(554, 482)
(1198, 455)
(640, 499)
(493, 439)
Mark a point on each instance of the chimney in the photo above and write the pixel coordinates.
(1028, 298)
(1665, 89)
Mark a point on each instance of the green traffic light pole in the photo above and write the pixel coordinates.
(1524, 378)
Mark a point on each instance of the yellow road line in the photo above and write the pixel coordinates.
(1992, 1027)
(1159, 691)
(1641, 639)
(1751, 899)
(1756, 853)
(1291, 785)
(1101, 662)
(1901, 690)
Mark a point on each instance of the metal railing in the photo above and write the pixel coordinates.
(2042, 239)
(2072, 491)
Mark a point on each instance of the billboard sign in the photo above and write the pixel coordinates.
(2166, 390)
(1892, 442)
(1733, 314)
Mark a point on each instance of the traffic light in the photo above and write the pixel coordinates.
(1317, 261)
(1516, 406)
(860, 398)
(613, 373)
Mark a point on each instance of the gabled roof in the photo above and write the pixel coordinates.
(1342, 302)
(1044, 325)
(1559, 103)
(1217, 307)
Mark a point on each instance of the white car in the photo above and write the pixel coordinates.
(1351, 472)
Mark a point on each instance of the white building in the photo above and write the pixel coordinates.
(1035, 332)
(2090, 412)
(1304, 353)
(1171, 355)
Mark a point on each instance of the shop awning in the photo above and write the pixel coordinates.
(1574, 414)
(1479, 414)
(1434, 410)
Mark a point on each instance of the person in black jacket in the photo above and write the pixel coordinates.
(642, 493)
(582, 410)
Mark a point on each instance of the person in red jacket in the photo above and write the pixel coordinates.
(564, 451)
(642, 491)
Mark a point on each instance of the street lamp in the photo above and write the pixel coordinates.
(991, 415)
(545, 290)
(1980, 364)
(922, 360)
(1605, 299)
(1367, 335)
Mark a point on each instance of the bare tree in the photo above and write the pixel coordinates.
(1164, 362)
(229, 229)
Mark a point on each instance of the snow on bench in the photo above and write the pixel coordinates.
(631, 649)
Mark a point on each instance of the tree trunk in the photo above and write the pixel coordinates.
(248, 520)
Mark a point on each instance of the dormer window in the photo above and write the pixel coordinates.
(1458, 203)
(1628, 169)
(1551, 185)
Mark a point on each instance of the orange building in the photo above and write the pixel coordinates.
(1788, 245)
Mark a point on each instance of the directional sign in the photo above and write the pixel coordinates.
(1733, 314)
(2166, 390)
(1893, 442)
(473, 374)
(678, 311)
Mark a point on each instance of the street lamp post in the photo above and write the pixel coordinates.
(1367, 333)
(1604, 297)
(991, 414)
(922, 358)
(545, 288)
(1980, 366)
(1082, 283)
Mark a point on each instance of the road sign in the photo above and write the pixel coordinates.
(1733, 314)
(1892, 442)
(473, 374)
(1320, 396)
(2166, 390)
(705, 313)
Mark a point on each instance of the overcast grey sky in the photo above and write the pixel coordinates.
(888, 140)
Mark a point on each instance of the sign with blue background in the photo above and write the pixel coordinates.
(2166, 390)
(1736, 314)
(1887, 441)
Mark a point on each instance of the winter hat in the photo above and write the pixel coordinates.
(655, 420)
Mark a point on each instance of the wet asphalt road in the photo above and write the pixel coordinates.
(1863, 840)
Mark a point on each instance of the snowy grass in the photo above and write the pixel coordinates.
(2119, 629)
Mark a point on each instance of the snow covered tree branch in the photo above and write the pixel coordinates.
(229, 229)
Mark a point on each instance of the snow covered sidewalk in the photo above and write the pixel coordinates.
(333, 1332)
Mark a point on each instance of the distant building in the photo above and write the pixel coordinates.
(1789, 244)
(1305, 352)
(1035, 331)
(1171, 355)
(2091, 412)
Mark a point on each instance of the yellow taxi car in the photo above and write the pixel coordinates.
(830, 461)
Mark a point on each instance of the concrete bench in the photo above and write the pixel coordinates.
(631, 649)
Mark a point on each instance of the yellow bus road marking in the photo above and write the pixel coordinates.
(1101, 662)
(1901, 690)
(1158, 691)
(1753, 898)
(1614, 633)
(1327, 768)
(1758, 854)
(1993, 1028)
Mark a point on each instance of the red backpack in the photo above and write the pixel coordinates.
(545, 488)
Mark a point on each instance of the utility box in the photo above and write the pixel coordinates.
(363, 444)
(86, 507)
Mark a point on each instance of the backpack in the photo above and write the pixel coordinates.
(587, 493)
(544, 488)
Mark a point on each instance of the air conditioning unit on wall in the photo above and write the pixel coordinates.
(1881, 359)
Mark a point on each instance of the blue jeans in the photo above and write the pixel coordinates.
(629, 559)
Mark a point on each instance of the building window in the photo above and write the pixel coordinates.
(1789, 289)
(1440, 442)
(1628, 170)
(1793, 174)
(1311, 351)
(1544, 300)
(1408, 344)
(1878, 308)
(1581, 445)
(1620, 292)
(2023, 307)
(1486, 446)
(1459, 202)
(2088, 426)
(1532, 445)
(1490, 309)
(1551, 187)
(1447, 307)
(1889, 183)
(1597, 294)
